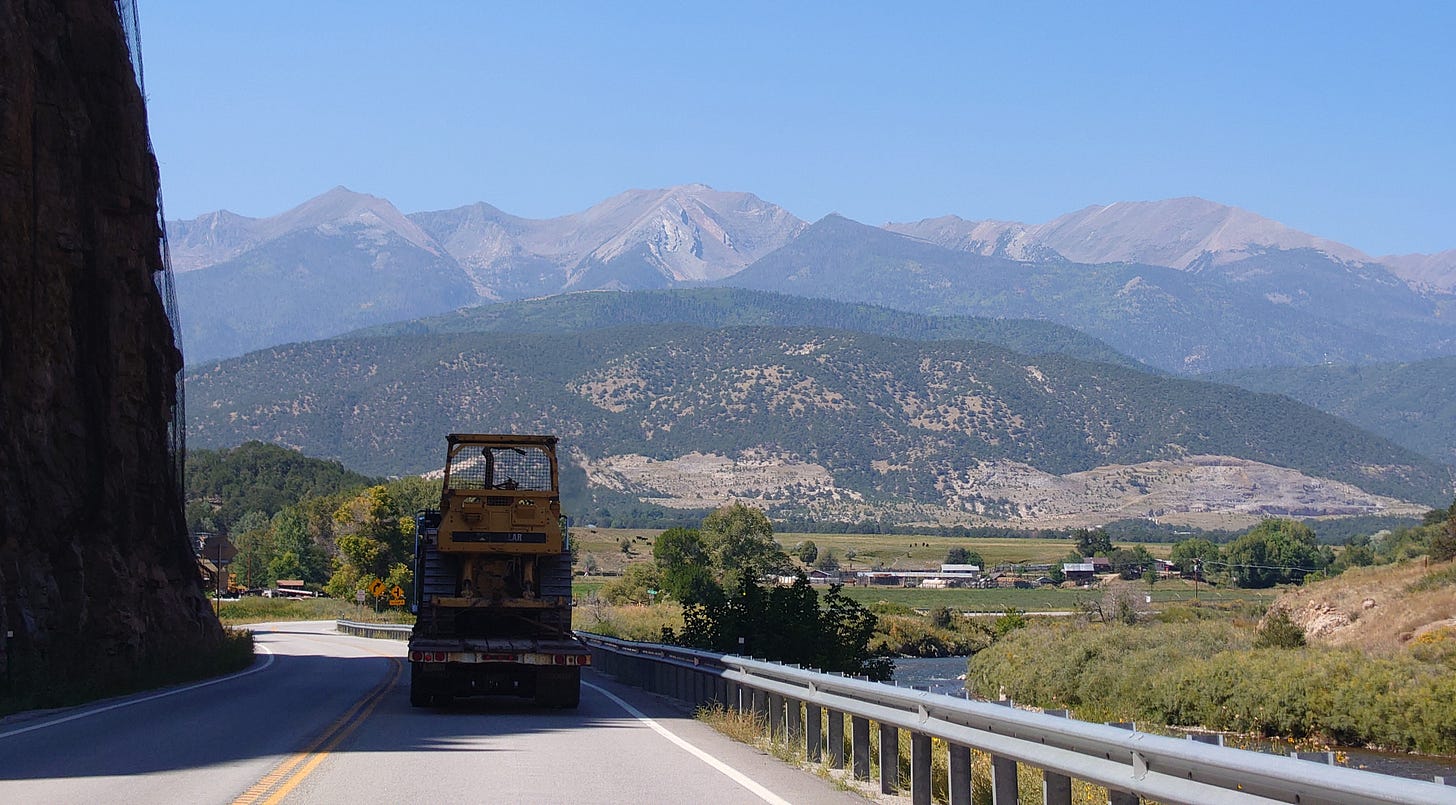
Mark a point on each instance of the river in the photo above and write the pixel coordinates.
(948, 675)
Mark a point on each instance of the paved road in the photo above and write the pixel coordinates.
(325, 718)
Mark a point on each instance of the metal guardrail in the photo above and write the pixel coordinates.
(381, 631)
(798, 704)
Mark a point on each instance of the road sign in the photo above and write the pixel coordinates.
(396, 602)
(396, 592)
(376, 588)
(358, 596)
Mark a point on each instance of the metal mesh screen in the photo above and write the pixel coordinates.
(177, 426)
(501, 468)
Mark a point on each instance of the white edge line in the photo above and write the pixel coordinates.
(732, 773)
(266, 662)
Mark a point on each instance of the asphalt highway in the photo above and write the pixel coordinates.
(325, 718)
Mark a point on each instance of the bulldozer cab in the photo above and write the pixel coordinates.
(500, 495)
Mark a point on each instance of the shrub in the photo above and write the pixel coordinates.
(1278, 631)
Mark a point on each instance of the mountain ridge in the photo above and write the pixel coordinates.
(1224, 305)
(856, 422)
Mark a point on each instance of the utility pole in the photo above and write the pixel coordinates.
(1197, 571)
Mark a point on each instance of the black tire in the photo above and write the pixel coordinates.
(559, 688)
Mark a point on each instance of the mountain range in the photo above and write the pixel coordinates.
(813, 422)
(1252, 291)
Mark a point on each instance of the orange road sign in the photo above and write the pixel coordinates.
(376, 588)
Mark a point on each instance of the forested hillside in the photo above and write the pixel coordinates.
(222, 485)
(1412, 404)
(738, 307)
(855, 418)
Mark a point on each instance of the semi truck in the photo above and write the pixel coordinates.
(492, 597)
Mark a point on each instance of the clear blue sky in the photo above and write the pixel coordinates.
(1335, 118)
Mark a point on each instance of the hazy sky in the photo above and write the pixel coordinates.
(1336, 118)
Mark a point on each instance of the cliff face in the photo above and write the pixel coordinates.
(94, 559)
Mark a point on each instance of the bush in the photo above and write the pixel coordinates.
(1208, 674)
(1278, 631)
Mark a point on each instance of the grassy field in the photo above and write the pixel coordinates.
(253, 609)
(892, 551)
(1043, 599)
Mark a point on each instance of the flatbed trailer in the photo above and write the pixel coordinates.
(493, 579)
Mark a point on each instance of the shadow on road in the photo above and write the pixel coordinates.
(285, 708)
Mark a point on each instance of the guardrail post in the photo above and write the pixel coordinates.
(760, 706)
(813, 732)
(960, 775)
(1115, 797)
(1005, 788)
(794, 723)
(734, 700)
(1056, 789)
(1327, 758)
(889, 759)
(836, 738)
(775, 716)
(919, 768)
(1207, 738)
(859, 729)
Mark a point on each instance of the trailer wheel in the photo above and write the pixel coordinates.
(559, 687)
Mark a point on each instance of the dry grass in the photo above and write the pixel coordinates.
(900, 551)
(1379, 609)
(627, 621)
(750, 729)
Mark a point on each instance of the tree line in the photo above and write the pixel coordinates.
(293, 517)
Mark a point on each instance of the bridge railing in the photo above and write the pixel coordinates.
(808, 708)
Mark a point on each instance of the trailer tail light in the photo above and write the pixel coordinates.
(571, 659)
(429, 656)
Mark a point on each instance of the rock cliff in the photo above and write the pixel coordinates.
(96, 574)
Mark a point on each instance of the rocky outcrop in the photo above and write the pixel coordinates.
(96, 573)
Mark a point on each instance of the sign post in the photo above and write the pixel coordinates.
(376, 589)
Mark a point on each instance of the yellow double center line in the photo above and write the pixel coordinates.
(290, 772)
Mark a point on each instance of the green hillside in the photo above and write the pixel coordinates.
(737, 307)
(888, 418)
(222, 485)
(1411, 404)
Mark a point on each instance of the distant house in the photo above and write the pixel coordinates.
(880, 578)
(1080, 572)
(1100, 564)
(960, 570)
(814, 576)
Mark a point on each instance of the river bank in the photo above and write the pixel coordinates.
(947, 675)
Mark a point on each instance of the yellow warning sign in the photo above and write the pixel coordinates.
(376, 588)
(396, 592)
